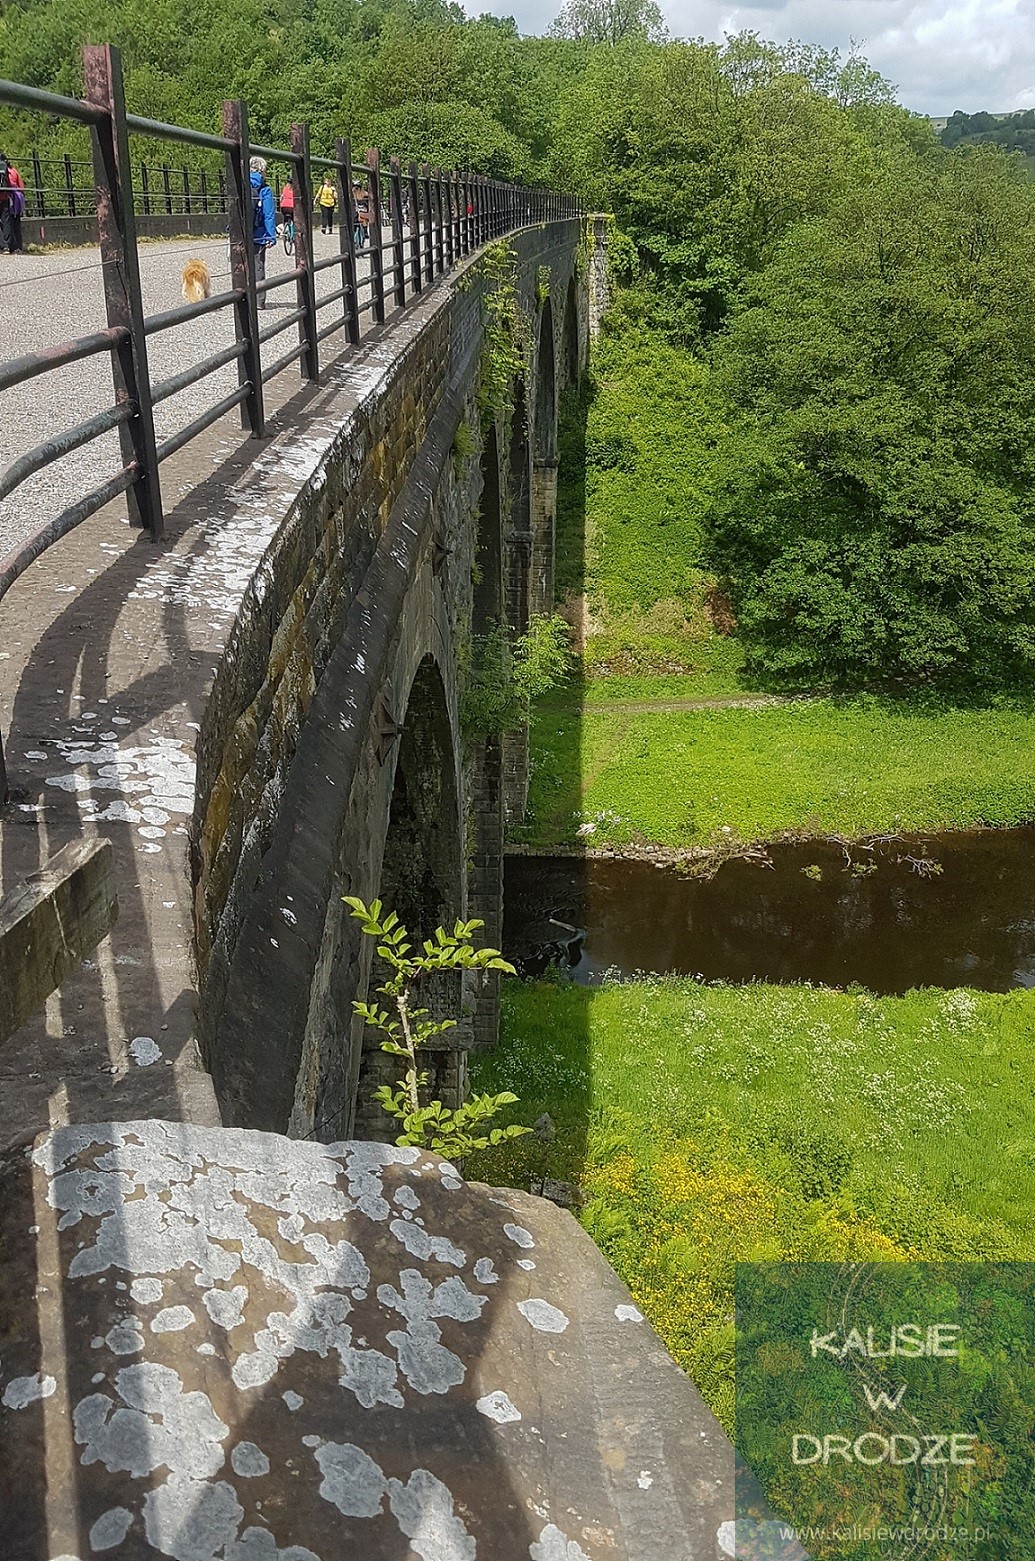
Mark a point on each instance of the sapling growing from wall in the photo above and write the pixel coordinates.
(505, 678)
(429, 1124)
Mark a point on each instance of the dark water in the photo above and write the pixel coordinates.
(972, 924)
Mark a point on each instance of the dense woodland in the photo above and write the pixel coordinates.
(857, 298)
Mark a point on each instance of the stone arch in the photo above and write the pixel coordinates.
(487, 605)
(544, 470)
(518, 548)
(421, 879)
(485, 769)
(572, 348)
(518, 536)
(546, 388)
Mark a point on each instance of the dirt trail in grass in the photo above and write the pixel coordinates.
(664, 706)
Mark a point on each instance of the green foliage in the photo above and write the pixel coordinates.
(465, 445)
(610, 21)
(875, 517)
(415, 76)
(1013, 132)
(505, 336)
(708, 154)
(450, 135)
(450, 1132)
(505, 677)
(713, 1124)
(636, 444)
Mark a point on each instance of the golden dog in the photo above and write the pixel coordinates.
(197, 284)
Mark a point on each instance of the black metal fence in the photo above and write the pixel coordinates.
(447, 216)
(64, 187)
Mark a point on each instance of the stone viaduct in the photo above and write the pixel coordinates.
(332, 758)
(410, 518)
(228, 1343)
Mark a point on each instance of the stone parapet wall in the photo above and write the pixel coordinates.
(313, 757)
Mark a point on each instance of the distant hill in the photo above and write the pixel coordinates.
(1014, 132)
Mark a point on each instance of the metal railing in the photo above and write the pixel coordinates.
(447, 216)
(60, 187)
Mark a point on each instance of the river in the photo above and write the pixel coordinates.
(938, 910)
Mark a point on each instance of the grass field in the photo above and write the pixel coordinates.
(693, 777)
(708, 1125)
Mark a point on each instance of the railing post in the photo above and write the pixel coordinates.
(417, 277)
(145, 191)
(454, 207)
(347, 239)
(429, 223)
(167, 190)
(440, 235)
(37, 179)
(398, 253)
(239, 207)
(302, 179)
(102, 72)
(444, 187)
(204, 193)
(377, 269)
(69, 186)
(222, 194)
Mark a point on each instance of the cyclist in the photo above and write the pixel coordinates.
(287, 206)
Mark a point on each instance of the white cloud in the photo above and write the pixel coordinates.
(940, 54)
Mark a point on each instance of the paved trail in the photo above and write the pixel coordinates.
(47, 299)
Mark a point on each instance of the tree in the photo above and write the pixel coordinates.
(609, 21)
(877, 520)
(406, 1029)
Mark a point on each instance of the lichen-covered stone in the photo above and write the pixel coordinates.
(231, 1346)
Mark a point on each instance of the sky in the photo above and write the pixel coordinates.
(940, 54)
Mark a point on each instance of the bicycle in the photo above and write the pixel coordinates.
(287, 235)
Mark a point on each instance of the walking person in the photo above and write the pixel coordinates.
(264, 221)
(361, 212)
(12, 207)
(326, 200)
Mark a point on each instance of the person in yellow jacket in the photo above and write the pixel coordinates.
(326, 200)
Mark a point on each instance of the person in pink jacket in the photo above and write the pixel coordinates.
(12, 206)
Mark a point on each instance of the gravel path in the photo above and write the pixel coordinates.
(50, 298)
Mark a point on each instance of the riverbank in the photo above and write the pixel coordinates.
(707, 1125)
(610, 773)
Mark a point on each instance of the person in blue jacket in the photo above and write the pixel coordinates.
(264, 220)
